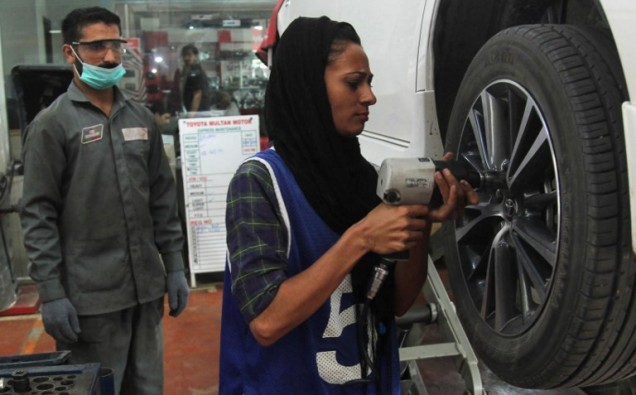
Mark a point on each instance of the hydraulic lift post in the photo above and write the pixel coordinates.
(454, 342)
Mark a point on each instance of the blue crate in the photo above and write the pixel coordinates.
(43, 359)
(56, 379)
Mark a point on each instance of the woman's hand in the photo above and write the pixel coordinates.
(388, 229)
(456, 194)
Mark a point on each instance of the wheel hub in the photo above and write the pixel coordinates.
(510, 208)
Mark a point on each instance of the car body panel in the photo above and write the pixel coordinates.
(400, 100)
(621, 15)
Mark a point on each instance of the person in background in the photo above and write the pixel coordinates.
(226, 102)
(99, 214)
(193, 82)
(305, 230)
(162, 117)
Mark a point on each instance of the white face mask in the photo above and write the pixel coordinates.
(99, 77)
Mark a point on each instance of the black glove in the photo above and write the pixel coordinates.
(177, 292)
(60, 320)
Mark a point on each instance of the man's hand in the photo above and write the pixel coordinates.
(60, 320)
(177, 292)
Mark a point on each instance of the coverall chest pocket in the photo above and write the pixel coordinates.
(136, 142)
(137, 156)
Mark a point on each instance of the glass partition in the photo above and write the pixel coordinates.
(225, 34)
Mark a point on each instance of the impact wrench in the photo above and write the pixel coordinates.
(410, 181)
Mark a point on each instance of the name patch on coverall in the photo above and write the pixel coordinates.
(92, 133)
(135, 134)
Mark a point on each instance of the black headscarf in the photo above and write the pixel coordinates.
(338, 182)
(329, 167)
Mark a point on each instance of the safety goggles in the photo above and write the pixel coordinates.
(101, 46)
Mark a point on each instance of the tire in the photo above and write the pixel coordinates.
(541, 269)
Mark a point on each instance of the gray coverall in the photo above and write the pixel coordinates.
(100, 218)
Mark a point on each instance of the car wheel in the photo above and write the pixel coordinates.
(540, 270)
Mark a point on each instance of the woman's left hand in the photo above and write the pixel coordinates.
(457, 194)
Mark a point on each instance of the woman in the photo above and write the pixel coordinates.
(305, 229)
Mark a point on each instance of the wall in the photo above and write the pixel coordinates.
(4, 135)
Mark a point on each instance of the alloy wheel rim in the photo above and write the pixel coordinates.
(508, 243)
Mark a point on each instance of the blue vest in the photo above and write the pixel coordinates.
(320, 356)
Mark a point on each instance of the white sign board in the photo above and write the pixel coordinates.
(211, 151)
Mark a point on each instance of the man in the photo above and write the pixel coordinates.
(193, 81)
(100, 214)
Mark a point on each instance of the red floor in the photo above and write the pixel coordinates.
(191, 343)
(192, 350)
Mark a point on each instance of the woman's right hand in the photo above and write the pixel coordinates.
(388, 229)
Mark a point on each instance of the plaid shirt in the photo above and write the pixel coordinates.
(256, 239)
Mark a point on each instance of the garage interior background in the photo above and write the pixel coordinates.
(226, 33)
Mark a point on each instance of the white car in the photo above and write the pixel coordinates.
(536, 93)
